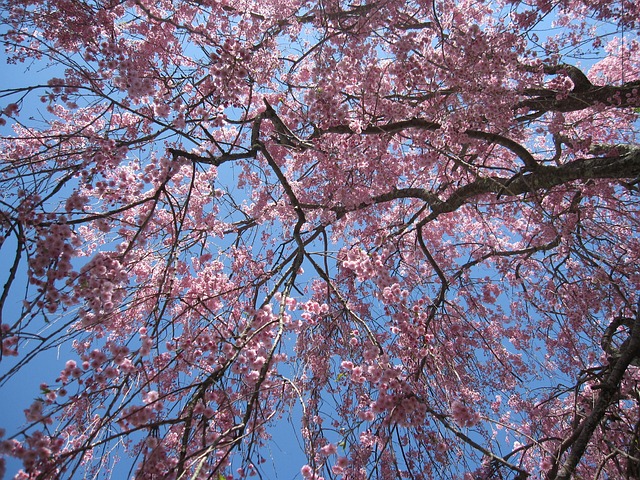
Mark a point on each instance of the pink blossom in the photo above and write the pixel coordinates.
(348, 222)
(329, 449)
(151, 396)
(463, 415)
(306, 471)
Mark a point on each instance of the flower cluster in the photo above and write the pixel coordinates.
(360, 263)
(99, 283)
(71, 371)
(37, 454)
(9, 346)
(463, 415)
(51, 262)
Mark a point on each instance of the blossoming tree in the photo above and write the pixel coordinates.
(412, 225)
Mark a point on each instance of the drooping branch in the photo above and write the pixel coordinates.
(13, 270)
(522, 474)
(444, 282)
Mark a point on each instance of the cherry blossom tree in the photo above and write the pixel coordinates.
(407, 230)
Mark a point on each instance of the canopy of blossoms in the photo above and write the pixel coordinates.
(404, 232)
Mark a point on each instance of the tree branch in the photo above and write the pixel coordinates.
(422, 124)
(217, 161)
(608, 391)
(608, 95)
(542, 178)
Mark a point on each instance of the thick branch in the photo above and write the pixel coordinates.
(285, 136)
(544, 178)
(422, 124)
(583, 95)
(580, 81)
(578, 99)
(626, 166)
(608, 391)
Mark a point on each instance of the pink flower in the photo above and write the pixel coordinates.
(346, 365)
(463, 415)
(306, 471)
(150, 397)
(329, 449)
